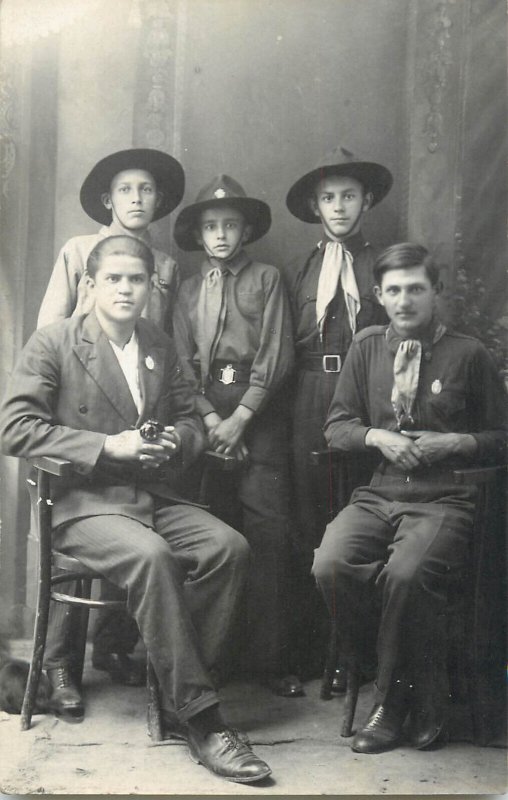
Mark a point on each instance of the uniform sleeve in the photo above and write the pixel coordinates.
(274, 360)
(186, 347)
(29, 408)
(348, 418)
(487, 409)
(61, 295)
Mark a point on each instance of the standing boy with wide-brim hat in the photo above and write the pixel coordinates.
(233, 333)
(332, 298)
(124, 192)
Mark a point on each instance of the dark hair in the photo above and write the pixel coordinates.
(120, 246)
(404, 256)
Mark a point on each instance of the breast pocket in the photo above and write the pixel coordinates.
(250, 304)
(448, 406)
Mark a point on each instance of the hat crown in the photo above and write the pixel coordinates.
(338, 156)
(222, 187)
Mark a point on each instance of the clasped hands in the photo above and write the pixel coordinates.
(411, 449)
(130, 446)
(226, 435)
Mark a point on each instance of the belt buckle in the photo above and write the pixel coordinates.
(228, 375)
(331, 363)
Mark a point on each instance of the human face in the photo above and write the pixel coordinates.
(340, 203)
(132, 199)
(120, 287)
(409, 299)
(222, 231)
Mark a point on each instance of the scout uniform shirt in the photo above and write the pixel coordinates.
(254, 332)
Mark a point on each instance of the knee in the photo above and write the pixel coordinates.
(154, 556)
(230, 546)
(329, 565)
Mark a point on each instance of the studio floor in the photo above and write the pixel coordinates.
(111, 753)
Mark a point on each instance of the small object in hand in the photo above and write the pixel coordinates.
(150, 430)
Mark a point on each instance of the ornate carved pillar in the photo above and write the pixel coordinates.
(436, 58)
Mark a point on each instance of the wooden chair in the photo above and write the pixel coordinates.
(55, 568)
(481, 608)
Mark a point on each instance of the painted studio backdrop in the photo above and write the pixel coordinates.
(259, 89)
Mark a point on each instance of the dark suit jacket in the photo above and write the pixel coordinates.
(68, 392)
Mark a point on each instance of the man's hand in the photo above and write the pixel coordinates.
(437, 446)
(400, 450)
(226, 436)
(130, 446)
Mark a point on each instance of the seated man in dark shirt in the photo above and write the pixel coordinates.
(82, 390)
(429, 401)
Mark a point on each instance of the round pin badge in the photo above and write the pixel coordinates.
(436, 387)
(150, 363)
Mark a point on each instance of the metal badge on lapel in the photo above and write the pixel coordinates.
(149, 362)
(228, 374)
(436, 387)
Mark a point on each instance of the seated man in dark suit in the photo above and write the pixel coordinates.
(82, 390)
(429, 401)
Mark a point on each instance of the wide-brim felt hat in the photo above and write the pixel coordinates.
(167, 172)
(222, 190)
(375, 178)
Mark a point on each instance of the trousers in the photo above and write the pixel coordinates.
(182, 578)
(256, 501)
(394, 552)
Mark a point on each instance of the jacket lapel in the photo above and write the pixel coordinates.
(98, 359)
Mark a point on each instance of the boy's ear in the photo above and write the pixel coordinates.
(106, 200)
(367, 201)
(313, 206)
(377, 292)
(89, 280)
(247, 233)
(160, 198)
(198, 237)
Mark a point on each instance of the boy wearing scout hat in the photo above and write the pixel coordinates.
(124, 192)
(331, 297)
(233, 334)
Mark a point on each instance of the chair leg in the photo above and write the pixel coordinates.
(39, 644)
(351, 699)
(154, 703)
(84, 590)
(330, 663)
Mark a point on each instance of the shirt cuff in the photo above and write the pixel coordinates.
(254, 398)
(203, 405)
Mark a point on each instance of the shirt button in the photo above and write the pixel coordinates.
(83, 409)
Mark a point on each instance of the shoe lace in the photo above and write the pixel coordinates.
(231, 737)
(63, 677)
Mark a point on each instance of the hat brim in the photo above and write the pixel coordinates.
(167, 172)
(256, 213)
(375, 178)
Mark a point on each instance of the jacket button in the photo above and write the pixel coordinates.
(83, 409)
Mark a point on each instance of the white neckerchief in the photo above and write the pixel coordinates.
(128, 359)
(337, 264)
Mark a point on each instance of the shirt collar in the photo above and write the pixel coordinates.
(429, 337)
(115, 230)
(234, 265)
(353, 243)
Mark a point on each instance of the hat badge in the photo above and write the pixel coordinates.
(219, 193)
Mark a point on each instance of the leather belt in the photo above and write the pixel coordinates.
(319, 362)
(228, 372)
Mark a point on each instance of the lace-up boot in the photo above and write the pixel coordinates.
(66, 701)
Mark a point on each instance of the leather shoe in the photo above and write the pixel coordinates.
(223, 753)
(288, 686)
(121, 668)
(383, 730)
(65, 701)
(427, 725)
